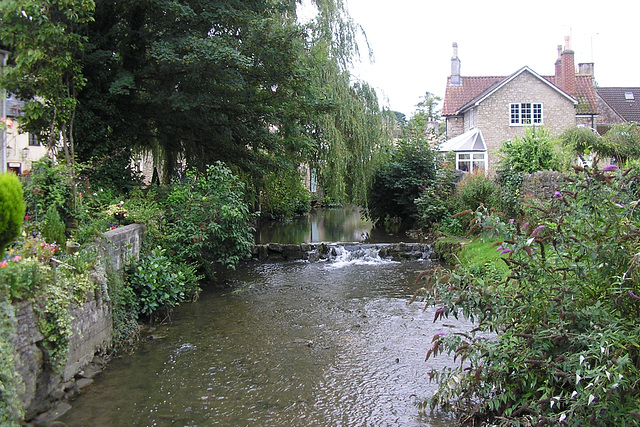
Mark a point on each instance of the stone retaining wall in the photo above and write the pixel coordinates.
(91, 332)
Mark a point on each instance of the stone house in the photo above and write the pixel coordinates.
(617, 105)
(21, 148)
(499, 108)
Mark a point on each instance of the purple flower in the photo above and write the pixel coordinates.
(499, 248)
(609, 168)
(537, 230)
(441, 309)
(505, 251)
(557, 194)
(632, 295)
(511, 221)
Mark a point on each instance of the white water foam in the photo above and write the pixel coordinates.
(358, 256)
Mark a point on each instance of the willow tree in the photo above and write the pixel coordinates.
(348, 129)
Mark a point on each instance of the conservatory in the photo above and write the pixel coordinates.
(470, 149)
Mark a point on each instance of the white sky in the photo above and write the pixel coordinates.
(412, 41)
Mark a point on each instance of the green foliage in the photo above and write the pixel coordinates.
(508, 194)
(52, 227)
(556, 341)
(207, 219)
(401, 181)
(622, 142)
(581, 141)
(475, 190)
(161, 284)
(284, 196)
(12, 209)
(48, 185)
(44, 66)
(434, 205)
(11, 412)
(22, 279)
(535, 151)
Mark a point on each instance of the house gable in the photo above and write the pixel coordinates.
(502, 106)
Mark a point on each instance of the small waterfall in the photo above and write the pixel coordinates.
(341, 256)
(342, 252)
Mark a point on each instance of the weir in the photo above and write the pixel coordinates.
(314, 252)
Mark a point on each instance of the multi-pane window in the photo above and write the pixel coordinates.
(33, 140)
(526, 113)
(471, 162)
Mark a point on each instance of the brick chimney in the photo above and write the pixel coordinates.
(455, 79)
(568, 69)
(559, 67)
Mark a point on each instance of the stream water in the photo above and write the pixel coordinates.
(330, 343)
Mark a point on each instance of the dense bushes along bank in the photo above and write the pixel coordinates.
(562, 317)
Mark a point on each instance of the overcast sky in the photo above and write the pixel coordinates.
(412, 41)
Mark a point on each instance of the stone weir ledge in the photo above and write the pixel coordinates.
(320, 251)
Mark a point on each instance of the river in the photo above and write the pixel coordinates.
(330, 343)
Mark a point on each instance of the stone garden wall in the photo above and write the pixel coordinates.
(42, 389)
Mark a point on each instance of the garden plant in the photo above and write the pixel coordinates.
(557, 337)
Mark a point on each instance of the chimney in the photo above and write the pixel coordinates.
(559, 67)
(586, 68)
(455, 79)
(568, 69)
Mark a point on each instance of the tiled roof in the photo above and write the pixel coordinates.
(471, 88)
(628, 109)
(585, 94)
(456, 97)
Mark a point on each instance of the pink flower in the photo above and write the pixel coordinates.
(537, 230)
(557, 194)
(17, 258)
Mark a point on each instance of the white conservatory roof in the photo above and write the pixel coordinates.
(471, 140)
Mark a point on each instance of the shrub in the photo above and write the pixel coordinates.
(400, 182)
(622, 142)
(535, 151)
(48, 185)
(284, 196)
(435, 205)
(12, 209)
(475, 190)
(161, 284)
(53, 229)
(207, 219)
(556, 341)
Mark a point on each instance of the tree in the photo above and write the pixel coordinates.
(400, 182)
(46, 43)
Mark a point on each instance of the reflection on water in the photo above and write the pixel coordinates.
(286, 344)
(344, 224)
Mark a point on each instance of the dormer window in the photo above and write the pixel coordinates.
(629, 96)
(526, 113)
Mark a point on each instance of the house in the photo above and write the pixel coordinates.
(617, 105)
(21, 149)
(484, 111)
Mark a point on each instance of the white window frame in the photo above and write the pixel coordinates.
(526, 113)
(471, 158)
